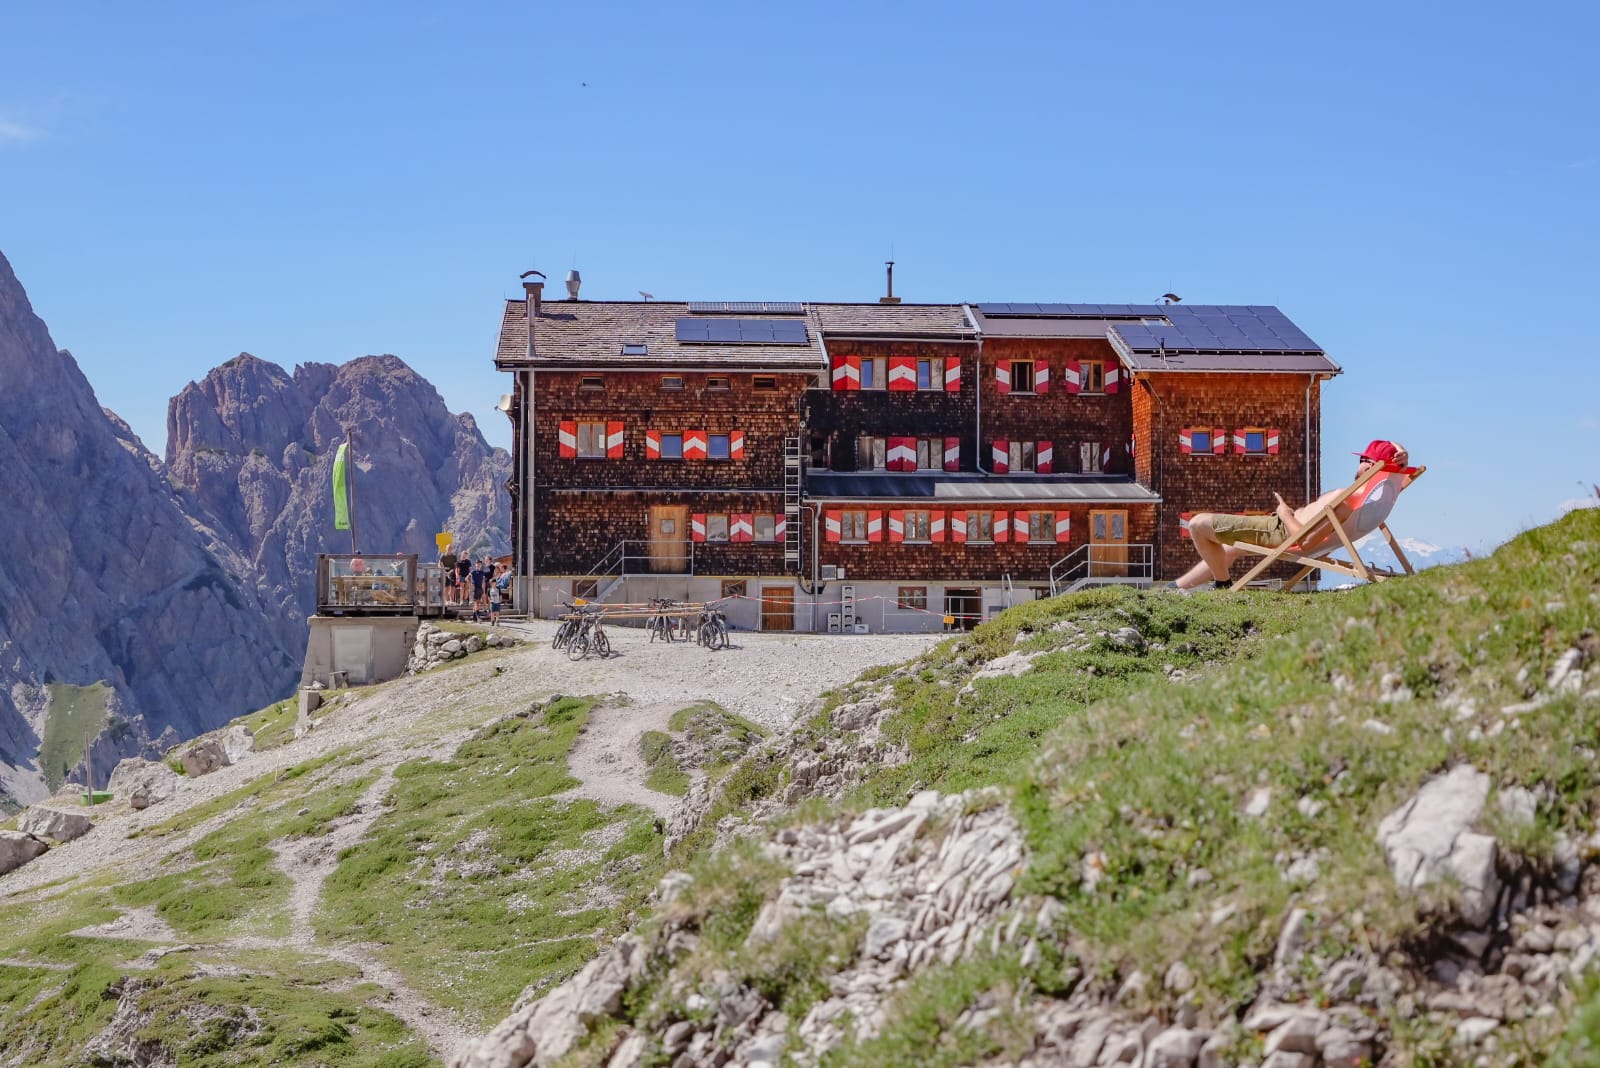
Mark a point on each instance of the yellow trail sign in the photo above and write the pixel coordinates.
(443, 540)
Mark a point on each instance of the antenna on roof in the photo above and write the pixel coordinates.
(1171, 298)
(647, 296)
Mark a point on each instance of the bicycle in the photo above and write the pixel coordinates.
(659, 624)
(713, 629)
(571, 624)
(590, 638)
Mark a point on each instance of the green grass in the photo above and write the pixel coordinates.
(274, 725)
(662, 772)
(476, 883)
(722, 736)
(72, 716)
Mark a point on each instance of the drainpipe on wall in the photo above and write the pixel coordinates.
(533, 294)
(1310, 381)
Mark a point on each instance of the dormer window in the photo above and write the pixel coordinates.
(636, 350)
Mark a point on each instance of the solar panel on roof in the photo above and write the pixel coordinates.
(718, 331)
(747, 307)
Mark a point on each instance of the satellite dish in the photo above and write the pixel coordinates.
(647, 296)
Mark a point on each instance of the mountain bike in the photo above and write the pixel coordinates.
(660, 624)
(571, 624)
(713, 629)
(590, 638)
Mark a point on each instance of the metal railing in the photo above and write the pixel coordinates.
(377, 585)
(1103, 564)
(661, 557)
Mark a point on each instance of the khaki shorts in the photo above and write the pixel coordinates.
(1267, 531)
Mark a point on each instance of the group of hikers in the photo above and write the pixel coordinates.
(481, 584)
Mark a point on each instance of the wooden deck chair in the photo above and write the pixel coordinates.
(1323, 557)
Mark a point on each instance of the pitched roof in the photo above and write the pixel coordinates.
(585, 333)
(894, 320)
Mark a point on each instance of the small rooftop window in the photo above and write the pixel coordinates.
(640, 349)
(717, 382)
(591, 382)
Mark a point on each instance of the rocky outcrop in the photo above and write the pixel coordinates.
(44, 821)
(17, 848)
(142, 783)
(435, 646)
(106, 577)
(251, 447)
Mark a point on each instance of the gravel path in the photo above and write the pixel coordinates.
(772, 679)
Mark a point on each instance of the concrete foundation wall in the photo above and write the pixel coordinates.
(366, 649)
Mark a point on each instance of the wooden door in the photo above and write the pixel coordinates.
(1108, 544)
(777, 608)
(669, 539)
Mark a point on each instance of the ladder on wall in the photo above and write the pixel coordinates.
(793, 478)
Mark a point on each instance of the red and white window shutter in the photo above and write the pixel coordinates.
(1074, 376)
(1113, 377)
(846, 372)
(736, 444)
(952, 454)
(1002, 376)
(1063, 527)
(567, 437)
(697, 527)
(936, 526)
(903, 374)
(742, 527)
(1044, 457)
(874, 526)
(780, 527)
(897, 524)
(1019, 525)
(833, 523)
(958, 526)
(1272, 441)
(952, 374)
(1041, 377)
(1183, 523)
(613, 441)
(1002, 527)
(1185, 441)
(1219, 441)
(694, 444)
(902, 453)
(1002, 457)
(652, 444)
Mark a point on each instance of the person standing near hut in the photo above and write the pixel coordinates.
(447, 564)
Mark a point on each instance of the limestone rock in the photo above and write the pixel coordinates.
(203, 758)
(47, 822)
(238, 741)
(17, 848)
(1430, 836)
(142, 783)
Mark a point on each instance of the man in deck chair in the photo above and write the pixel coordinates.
(1215, 534)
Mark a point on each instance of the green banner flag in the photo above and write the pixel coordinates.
(341, 493)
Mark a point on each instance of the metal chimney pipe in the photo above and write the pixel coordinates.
(574, 280)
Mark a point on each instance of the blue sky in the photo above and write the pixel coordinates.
(1415, 185)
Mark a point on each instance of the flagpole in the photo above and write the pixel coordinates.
(350, 484)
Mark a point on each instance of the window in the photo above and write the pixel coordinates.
(930, 454)
(853, 525)
(716, 528)
(1255, 441)
(672, 446)
(1041, 526)
(980, 526)
(592, 440)
(1022, 454)
(635, 350)
(1022, 376)
(717, 447)
(918, 526)
(585, 589)
(874, 372)
(1092, 376)
(1089, 454)
(925, 375)
(1200, 441)
(591, 382)
(764, 383)
(912, 597)
(766, 528)
(717, 382)
(872, 454)
(672, 382)
(732, 588)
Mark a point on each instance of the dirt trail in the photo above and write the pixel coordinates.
(771, 679)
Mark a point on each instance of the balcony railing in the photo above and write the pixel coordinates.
(361, 583)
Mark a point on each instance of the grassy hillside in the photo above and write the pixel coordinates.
(72, 716)
(1175, 813)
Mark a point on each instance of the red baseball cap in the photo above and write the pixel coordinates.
(1380, 451)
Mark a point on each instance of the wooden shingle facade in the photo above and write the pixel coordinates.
(832, 466)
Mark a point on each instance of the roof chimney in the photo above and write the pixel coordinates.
(532, 292)
(574, 280)
(891, 298)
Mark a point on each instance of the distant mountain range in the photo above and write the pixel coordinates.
(147, 599)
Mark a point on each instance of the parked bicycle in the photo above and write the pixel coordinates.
(590, 638)
(713, 629)
(571, 623)
(663, 622)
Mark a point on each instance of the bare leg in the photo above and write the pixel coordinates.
(1215, 558)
